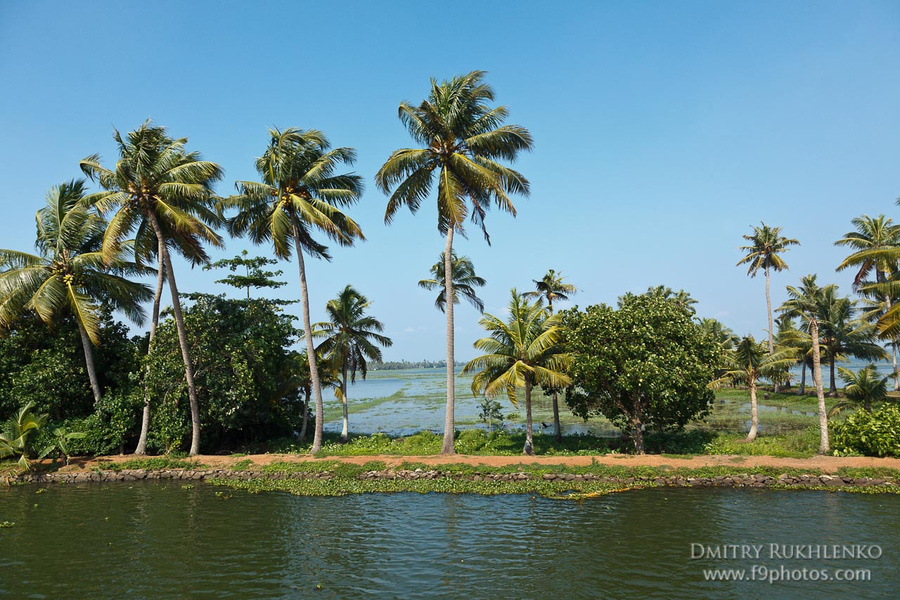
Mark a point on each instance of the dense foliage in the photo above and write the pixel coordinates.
(645, 365)
(869, 433)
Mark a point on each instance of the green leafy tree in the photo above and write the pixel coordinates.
(255, 276)
(748, 363)
(300, 193)
(243, 355)
(551, 287)
(464, 281)
(763, 253)
(463, 140)
(645, 365)
(69, 275)
(861, 388)
(520, 353)
(490, 412)
(164, 195)
(350, 337)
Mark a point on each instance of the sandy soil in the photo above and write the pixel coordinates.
(827, 464)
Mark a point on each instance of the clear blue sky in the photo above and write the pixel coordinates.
(663, 131)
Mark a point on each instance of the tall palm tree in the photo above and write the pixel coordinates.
(164, 194)
(68, 276)
(299, 194)
(552, 287)
(766, 244)
(876, 248)
(464, 281)
(350, 337)
(522, 352)
(748, 363)
(463, 139)
(804, 302)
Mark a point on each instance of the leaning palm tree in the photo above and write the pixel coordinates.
(68, 276)
(552, 287)
(463, 139)
(464, 281)
(747, 364)
(766, 244)
(299, 194)
(804, 302)
(522, 352)
(350, 337)
(164, 194)
(861, 388)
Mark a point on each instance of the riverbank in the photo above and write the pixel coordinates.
(571, 477)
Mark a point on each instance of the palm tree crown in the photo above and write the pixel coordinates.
(464, 281)
(876, 245)
(766, 244)
(551, 288)
(463, 139)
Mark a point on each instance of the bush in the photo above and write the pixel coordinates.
(871, 434)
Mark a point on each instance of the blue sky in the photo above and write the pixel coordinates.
(662, 130)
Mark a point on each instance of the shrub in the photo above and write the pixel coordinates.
(872, 434)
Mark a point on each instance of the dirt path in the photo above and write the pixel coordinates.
(826, 464)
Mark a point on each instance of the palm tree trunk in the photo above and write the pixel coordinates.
(307, 330)
(754, 413)
(154, 323)
(182, 336)
(305, 418)
(894, 361)
(529, 430)
(449, 420)
(345, 429)
(557, 430)
(832, 390)
(89, 363)
(803, 377)
(771, 325)
(820, 393)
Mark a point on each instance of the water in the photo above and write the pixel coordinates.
(151, 540)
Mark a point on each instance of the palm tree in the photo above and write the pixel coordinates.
(722, 335)
(748, 363)
(521, 353)
(789, 337)
(463, 139)
(14, 437)
(464, 281)
(842, 334)
(68, 276)
(350, 334)
(804, 302)
(164, 194)
(863, 387)
(766, 243)
(551, 287)
(300, 193)
(876, 245)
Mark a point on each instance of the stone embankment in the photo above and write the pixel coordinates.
(739, 480)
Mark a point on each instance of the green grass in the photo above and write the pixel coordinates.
(154, 463)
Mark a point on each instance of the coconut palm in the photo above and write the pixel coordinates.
(464, 281)
(300, 193)
(164, 195)
(722, 335)
(804, 302)
(350, 337)
(552, 287)
(463, 139)
(68, 276)
(843, 334)
(522, 352)
(876, 248)
(766, 244)
(863, 387)
(747, 364)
